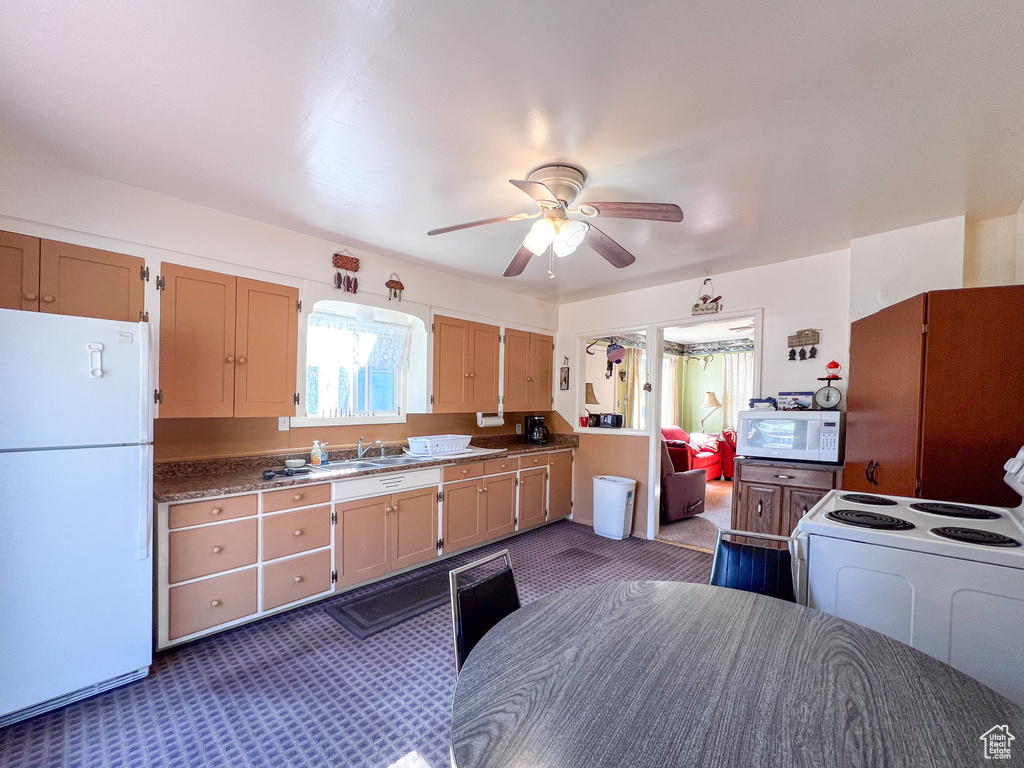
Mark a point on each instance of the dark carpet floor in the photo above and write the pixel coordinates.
(298, 690)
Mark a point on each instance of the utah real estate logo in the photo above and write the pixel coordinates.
(997, 742)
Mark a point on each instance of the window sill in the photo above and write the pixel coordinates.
(609, 431)
(346, 421)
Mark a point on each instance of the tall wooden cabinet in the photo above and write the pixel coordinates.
(528, 371)
(60, 278)
(227, 345)
(465, 366)
(936, 396)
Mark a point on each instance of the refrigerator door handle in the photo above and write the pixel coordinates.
(95, 360)
(145, 502)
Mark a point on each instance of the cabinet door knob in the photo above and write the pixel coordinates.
(216, 550)
(241, 361)
(30, 297)
(297, 497)
(229, 359)
(759, 507)
(465, 471)
(49, 299)
(472, 375)
(298, 531)
(479, 490)
(215, 511)
(214, 603)
(298, 579)
(466, 375)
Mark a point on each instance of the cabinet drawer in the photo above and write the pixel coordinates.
(789, 476)
(464, 471)
(210, 510)
(201, 551)
(207, 603)
(298, 496)
(292, 532)
(533, 460)
(497, 466)
(293, 579)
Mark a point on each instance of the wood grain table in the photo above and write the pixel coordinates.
(662, 674)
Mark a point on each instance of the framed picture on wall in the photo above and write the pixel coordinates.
(563, 377)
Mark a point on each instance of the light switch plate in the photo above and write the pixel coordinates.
(519, 429)
(283, 423)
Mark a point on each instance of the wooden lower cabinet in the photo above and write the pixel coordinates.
(560, 485)
(770, 497)
(210, 602)
(532, 497)
(463, 524)
(196, 552)
(384, 533)
(295, 578)
(288, 533)
(498, 513)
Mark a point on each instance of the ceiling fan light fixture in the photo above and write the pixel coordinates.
(541, 234)
(570, 236)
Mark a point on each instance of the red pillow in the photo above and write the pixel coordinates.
(675, 433)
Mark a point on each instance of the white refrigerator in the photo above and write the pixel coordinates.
(76, 503)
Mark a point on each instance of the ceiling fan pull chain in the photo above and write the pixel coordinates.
(551, 263)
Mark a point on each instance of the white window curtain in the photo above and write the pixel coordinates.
(634, 366)
(671, 390)
(738, 387)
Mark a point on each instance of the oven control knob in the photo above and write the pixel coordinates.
(1013, 466)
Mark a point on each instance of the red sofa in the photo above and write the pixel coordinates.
(712, 453)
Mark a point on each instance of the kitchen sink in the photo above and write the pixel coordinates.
(392, 461)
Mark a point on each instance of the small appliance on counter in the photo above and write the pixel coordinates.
(792, 435)
(610, 420)
(535, 431)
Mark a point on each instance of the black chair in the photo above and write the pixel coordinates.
(479, 605)
(762, 570)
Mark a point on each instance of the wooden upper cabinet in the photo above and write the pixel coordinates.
(538, 385)
(528, 364)
(483, 367)
(19, 264)
(883, 419)
(227, 345)
(266, 337)
(197, 343)
(75, 280)
(465, 366)
(451, 365)
(517, 370)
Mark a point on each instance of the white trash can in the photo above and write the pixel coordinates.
(613, 506)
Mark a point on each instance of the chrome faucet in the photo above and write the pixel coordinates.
(362, 451)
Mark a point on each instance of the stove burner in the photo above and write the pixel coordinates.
(867, 498)
(955, 510)
(975, 536)
(864, 519)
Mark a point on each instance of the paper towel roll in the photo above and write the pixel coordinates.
(489, 421)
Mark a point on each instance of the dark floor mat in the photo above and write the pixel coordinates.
(369, 614)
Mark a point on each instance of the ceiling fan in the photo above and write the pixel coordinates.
(554, 187)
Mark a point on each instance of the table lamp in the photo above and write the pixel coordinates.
(709, 401)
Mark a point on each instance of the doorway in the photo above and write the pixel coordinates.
(709, 372)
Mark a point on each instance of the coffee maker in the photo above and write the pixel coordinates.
(535, 431)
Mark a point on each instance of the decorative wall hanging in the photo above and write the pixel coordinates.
(395, 287)
(349, 263)
(616, 353)
(805, 338)
(707, 302)
(563, 378)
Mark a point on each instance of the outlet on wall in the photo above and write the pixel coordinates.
(519, 429)
(283, 424)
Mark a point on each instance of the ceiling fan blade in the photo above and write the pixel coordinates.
(536, 190)
(646, 211)
(519, 262)
(513, 217)
(616, 255)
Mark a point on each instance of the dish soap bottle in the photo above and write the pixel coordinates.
(315, 457)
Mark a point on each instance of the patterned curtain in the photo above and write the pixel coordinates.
(634, 364)
(739, 386)
(672, 379)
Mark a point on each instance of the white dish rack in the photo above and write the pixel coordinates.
(438, 445)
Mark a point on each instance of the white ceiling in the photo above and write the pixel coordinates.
(712, 331)
(782, 129)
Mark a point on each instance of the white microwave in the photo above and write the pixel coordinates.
(792, 435)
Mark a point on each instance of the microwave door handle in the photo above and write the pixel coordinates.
(814, 436)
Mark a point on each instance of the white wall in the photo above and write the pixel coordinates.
(604, 388)
(990, 252)
(892, 266)
(46, 200)
(811, 292)
(1020, 245)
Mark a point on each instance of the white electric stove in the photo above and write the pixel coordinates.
(945, 578)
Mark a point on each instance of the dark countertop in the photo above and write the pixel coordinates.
(184, 481)
(644, 674)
